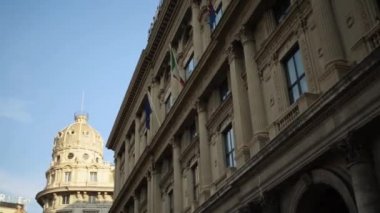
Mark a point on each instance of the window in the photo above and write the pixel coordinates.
(195, 174)
(66, 199)
(218, 15)
(280, 9)
(168, 103)
(171, 202)
(193, 131)
(190, 66)
(224, 91)
(92, 198)
(93, 176)
(67, 176)
(50, 202)
(297, 84)
(229, 146)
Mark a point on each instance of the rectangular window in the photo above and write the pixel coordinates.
(94, 176)
(229, 146)
(295, 74)
(92, 198)
(224, 91)
(195, 174)
(171, 202)
(190, 66)
(218, 14)
(66, 199)
(67, 177)
(193, 131)
(280, 9)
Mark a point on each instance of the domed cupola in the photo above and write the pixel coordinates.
(78, 142)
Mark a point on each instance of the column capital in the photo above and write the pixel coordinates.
(246, 35)
(174, 143)
(233, 51)
(200, 106)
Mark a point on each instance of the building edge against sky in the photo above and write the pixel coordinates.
(78, 180)
(253, 106)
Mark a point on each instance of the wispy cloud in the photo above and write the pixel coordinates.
(15, 109)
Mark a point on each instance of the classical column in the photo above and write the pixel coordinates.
(136, 204)
(137, 139)
(204, 152)
(242, 116)
(204, 19)
(255, 91)
(177, 185)
(330, 41)
(362, 176)
(197, 35)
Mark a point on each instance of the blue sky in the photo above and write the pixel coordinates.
(51, 51)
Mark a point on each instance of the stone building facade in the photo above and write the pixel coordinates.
(275, 108)
(78, 180)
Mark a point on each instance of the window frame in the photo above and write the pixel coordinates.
(68, 177)
(229, 147)
(65, 199)
(190, 66)
(224, 90)
(300, 76)
(93, 176)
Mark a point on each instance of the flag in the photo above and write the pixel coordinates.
(212, 15)
(148, 111)
(174, 67)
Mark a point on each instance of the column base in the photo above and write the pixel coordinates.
(259, 140)
(242, 156)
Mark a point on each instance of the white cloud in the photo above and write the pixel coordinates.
(15, 109)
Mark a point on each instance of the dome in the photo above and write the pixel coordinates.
(79, 137)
